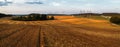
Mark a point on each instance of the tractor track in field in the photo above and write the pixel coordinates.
(16, 41)
(14, 38)
(93, 41)
(39, 37)
(86, 37)
(16, 30)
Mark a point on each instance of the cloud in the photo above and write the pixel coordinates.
(5, 3)
(89, 4)
(20, 1)
(56, 4)
(115, 1)
(33, 2)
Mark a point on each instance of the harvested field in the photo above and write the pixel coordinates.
(66, 31)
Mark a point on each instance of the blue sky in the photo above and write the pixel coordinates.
(58, 6)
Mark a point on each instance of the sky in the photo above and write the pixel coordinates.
(59, 6)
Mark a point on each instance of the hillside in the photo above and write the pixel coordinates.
(66, 31)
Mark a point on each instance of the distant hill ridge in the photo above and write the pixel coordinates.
(4, 15)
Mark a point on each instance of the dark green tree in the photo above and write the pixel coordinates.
(44, 17)
(115, 19)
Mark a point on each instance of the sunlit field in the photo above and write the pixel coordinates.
(64, 31)
(59, 23)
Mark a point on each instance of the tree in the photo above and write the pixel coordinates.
(44, 17)
(52, 18)
(115, 19)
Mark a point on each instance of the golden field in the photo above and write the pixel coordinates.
(65, 31)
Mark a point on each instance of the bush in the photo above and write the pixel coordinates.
(20, 18)
(115, 19)
(52, 18)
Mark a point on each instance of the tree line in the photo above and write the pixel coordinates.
(4, 15)
(34, 17)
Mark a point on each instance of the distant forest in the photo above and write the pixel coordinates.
(92, 14)
(4, 15)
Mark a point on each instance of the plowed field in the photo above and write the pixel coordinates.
(66, 31)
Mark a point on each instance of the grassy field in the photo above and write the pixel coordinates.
(94, 17)
(66, 31)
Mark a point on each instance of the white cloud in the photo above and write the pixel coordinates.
(114, 1)
(82, 0)
(20, 1)
(89, 4)
(43, 0)
(56, 4)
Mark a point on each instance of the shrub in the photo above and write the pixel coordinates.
(52, 18)
(115, 19)
(20, 18)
